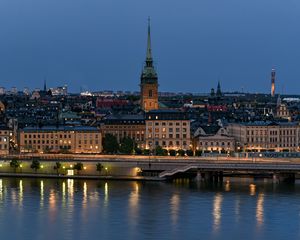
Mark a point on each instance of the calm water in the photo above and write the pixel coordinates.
(78, 209)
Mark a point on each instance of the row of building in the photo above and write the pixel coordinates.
(170, 129)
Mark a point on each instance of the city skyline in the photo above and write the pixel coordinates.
(193, 49)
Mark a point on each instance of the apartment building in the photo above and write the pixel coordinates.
(78, 139)
(5, 136)
(121, 126)
(213, 138)
(265, 136)
(169, 129)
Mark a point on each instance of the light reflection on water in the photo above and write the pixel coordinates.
(260, 209)
(88, 209)
(217, 211)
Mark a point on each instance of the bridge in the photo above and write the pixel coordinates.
(168, 167)
(214, 171)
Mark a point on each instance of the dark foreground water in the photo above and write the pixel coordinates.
(79, 209)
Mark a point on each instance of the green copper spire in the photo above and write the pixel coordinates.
(149, 60)
(149, 74)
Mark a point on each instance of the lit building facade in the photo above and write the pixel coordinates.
(265, 136)
(213, 139)
(121, 126)
(60, 139)
(5, 136)
(169, 129)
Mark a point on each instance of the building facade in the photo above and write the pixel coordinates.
(121, 126)
(265, 136)
(60, 139)
(149, 81)
(213, 139)
(5, 136)
(169, 129)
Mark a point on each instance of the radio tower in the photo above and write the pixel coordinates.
(273, 74)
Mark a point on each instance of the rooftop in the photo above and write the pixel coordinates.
(60, 128)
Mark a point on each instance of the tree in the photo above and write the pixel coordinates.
(181, 152)
(57, 166)
(189, 153)
(159, 151)
(172, 152)
(146, 152)
(78, 167)
(15, 164)
(99, 167)
(138, 151)
(127, 145)
(198, 153)
(110, 144)
(36, 165)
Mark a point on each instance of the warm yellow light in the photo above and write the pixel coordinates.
(0, 165)
(252, 189)
(106, 168)
(42, 166)
(21, 165)
(84, 168)
(64, 167)
(71, 165)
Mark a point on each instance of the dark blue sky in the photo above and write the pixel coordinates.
(101, 44)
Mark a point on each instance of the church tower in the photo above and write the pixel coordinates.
(149, 83)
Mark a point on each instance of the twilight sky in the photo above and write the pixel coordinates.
(101, 44)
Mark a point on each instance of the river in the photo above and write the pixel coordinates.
(183, 209)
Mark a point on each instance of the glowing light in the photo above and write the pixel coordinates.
(71, 166)
(84, 202)
(84, 168)
(106, 194)
(42, 194)
(64, 167)
(21, 165)
(175, 202)
(217, 211)
(20, 192)
(227, 186)
(260, 209)
(42, 166)
(252, 189)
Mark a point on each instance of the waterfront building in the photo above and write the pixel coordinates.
(149, 80)
(169, 129)
(64, 139)
(122, 126)
(213, 138)
(265, 136)
(5, 136)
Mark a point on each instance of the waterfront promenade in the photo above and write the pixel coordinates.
(127, 167)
